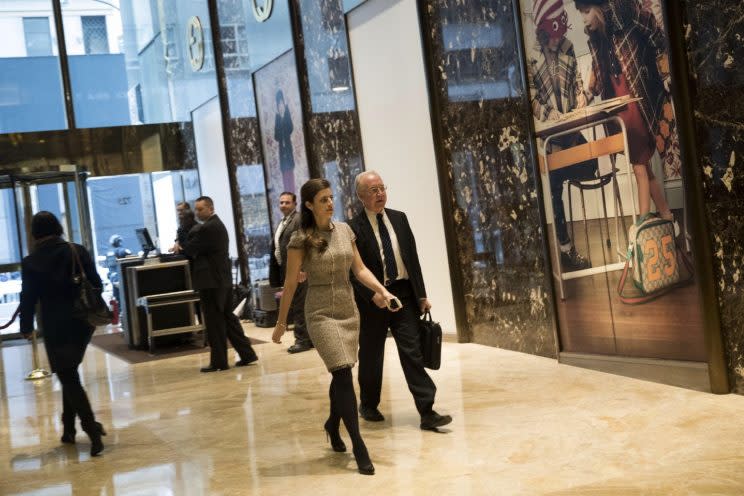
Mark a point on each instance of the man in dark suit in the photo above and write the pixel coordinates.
(388, 248)
(207, 246)
(289, 224)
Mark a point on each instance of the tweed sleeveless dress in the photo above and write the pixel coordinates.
(330, 312)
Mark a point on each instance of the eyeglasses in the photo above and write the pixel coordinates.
(376, 190)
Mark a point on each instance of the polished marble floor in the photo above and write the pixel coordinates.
(522, 425)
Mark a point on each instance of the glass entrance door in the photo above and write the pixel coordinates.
(61, 192)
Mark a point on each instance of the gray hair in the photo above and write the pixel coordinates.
(360, 177)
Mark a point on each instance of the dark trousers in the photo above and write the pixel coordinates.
(579, 172)
(374, 324)
(74, 401)
(297, 316)
(216, 305)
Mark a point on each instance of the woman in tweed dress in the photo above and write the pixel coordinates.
(326, 251)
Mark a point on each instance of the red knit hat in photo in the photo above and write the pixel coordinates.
(550, 17)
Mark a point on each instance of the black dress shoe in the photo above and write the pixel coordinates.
(68, 438)
(212, 369)
(298, 348)
(432, 420)
(243, 363)
(371, 414)
(571, 261)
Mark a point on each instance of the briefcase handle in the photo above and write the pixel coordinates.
(426, 316)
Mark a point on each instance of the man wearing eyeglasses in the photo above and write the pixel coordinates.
(388, 248)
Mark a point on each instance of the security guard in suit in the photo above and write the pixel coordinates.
(207, 246)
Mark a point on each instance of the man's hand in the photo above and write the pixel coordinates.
(379, 300)
(424, 305)
(301, 277)
(28, 336)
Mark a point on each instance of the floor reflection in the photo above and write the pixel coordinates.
(522, 425)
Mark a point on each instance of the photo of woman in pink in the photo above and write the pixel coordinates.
(629, 57)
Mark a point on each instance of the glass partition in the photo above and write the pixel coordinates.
(138, 61)
(31, 94)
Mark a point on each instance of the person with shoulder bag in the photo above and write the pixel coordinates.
(49, 276)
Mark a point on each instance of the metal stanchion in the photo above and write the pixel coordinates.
(38, 372)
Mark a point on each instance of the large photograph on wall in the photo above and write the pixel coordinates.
(282, 136)
(609, 159)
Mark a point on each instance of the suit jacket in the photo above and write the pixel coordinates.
(369, 250)
(207, 246)
(276, 271)
(47, 278)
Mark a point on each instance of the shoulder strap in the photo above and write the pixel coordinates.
(76, 258)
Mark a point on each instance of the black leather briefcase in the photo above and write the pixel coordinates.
(431, 341)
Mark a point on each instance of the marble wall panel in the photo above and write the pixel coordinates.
(245, 46)
(333, 135)
(715, 49)
(481, 117)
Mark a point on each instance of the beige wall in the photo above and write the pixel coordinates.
(393, 105)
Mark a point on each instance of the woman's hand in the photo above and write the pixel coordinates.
(276, 336)
(379, 300)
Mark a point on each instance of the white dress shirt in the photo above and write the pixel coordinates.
(278, 234)
(402, 272)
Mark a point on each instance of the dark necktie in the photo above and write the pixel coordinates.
(391, 268)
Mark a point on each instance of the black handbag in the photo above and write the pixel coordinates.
(89, 304)
(431, 341)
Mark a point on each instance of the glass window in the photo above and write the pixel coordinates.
(38, 36)
(95, 36)
(121, 204)
(138, 61)
(350, 4)
(9, 251)
(31, 96)
(255, 219)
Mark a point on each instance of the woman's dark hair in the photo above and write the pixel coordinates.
(45, 224)
(307, 221)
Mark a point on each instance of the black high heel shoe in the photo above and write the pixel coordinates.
(334, 437)
(364, 464)
(68, 429)
(96, 444)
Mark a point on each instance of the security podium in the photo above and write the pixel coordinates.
(160, 301)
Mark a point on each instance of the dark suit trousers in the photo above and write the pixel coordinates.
(223, 325)
(374, 323)
(297, 315)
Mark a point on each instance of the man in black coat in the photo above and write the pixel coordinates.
(388, 248)
(207, 246)
(289, 224)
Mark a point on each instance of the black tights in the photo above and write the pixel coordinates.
(344, 406)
